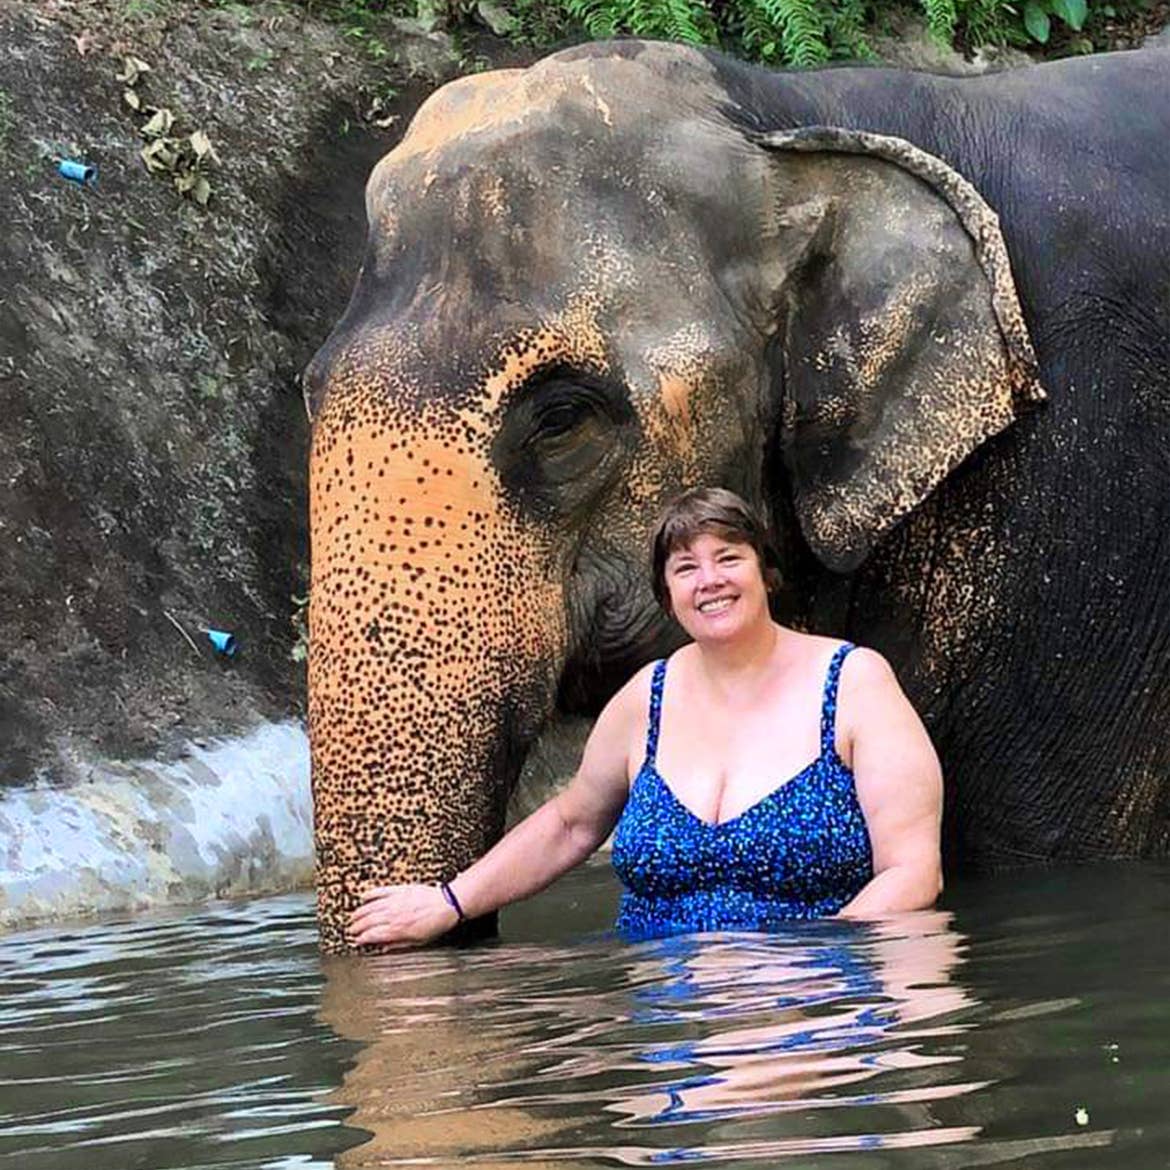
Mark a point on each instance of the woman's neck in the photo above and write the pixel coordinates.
(731, 667)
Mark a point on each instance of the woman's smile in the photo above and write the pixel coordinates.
(715, 605)
(716, 586)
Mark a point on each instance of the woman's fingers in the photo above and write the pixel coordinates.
(382, 934)
(376, 900)
(398, 915)
(385, 944)
(371, 905)
(379, 928)
(380, 892)
(376, 910)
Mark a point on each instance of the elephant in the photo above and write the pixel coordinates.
(922, 322)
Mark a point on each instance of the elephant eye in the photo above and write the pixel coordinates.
(565, 402)
(563, 438)
(557, 418)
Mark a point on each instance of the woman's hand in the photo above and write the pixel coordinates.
(404, 916)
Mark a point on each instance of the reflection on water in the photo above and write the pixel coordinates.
(1026, 1026)
(829, 1037)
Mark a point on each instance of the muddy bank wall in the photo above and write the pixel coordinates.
(152, 437)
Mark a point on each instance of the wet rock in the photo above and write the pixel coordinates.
(230, 819)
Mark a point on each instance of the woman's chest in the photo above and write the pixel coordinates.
(720, 766)
(803, 834)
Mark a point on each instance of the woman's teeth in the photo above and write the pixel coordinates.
(717, 605)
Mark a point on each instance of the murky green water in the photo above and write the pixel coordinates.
(1028, 1026)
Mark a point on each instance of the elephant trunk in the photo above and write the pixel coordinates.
(433, 657)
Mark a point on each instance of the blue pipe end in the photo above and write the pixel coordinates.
(223, 642)
(84, 174)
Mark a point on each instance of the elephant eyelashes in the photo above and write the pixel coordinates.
(560, 402)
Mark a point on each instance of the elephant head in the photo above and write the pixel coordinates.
(588, 285)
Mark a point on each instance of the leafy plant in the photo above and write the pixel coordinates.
(688, 21)
(941, 19)
(793, 31)
(987, 22)
(777, 32)
(540, 23)
(1037, 16)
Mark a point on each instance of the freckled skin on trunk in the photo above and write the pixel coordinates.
(428, 651)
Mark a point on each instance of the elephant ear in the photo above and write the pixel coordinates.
(903, 338)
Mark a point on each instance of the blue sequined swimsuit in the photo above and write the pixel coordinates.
(802, 851)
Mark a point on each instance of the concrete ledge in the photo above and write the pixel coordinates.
(230, 818)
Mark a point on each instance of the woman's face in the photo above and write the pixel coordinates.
(716, 587)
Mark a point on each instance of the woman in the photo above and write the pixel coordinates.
(689, 761)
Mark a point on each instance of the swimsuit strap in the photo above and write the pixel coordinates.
(656, 682)
(829, 706)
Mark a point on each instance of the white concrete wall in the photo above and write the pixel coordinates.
(228, 819)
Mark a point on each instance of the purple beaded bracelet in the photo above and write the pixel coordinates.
(452, 901)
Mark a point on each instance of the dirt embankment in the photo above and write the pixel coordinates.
(152, 437)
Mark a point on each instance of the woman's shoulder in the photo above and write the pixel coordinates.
(822, 650)
(867, 667)
(633, 696)
(868, 688)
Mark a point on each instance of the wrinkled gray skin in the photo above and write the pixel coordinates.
(634, 268)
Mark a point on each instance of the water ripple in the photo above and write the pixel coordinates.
(168, 1041)
(1026, 1030)
(680, 1040)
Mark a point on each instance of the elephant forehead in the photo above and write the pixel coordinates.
(388, 376)
(485, 102)
(613, 96)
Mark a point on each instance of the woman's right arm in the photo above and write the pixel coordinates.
(557, 836)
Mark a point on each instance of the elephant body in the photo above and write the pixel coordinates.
(922, 322)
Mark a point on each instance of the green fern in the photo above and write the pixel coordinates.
(690, 22)
(599, 18)
(847, 23)
(941, 19)
(675, 20)
(987, 22)
(798, 29)
(788, 32)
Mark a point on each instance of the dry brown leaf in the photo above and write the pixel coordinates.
(159, 156)
(202, 147)
(159, 124)
(132, 69)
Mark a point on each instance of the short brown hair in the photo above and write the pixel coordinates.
(707, 510)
